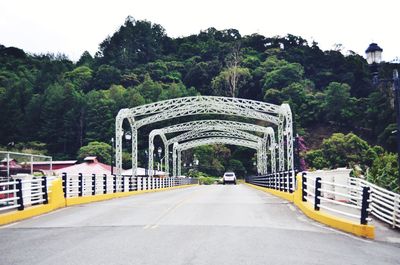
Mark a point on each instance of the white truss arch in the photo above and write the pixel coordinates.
(206, 133)
(213, 134)
(179, 107)
(216, 125)
(178, 148)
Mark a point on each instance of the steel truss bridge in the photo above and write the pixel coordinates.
(268, 129)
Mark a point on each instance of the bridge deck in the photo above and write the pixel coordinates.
(199, 225)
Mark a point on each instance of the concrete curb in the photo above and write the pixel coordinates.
(57, 201)
(367, 231)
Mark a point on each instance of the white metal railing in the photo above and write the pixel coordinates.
(384, 205)
(88, 185)
(19, 194)
(283, 181)
(354, 200)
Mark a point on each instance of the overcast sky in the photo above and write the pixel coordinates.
(73, 26)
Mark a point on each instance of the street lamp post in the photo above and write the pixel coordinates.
(159, 151)
(147, 163)
(195, 161)
(374, 56)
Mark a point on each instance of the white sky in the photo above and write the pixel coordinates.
(73, 26)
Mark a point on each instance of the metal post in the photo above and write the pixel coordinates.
(31, 165)
(115, 183)
(304, 187)
(364, 206)
(65, 183)
(104, 184)
(93, 184)
(8, 166)
(123, 184)
(396, 88)
(44, 190)
(317, 200)
(80, 184)
(20, 199)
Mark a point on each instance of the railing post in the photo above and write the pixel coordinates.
(93, 184)
(364, 206)
(104, 183)
(304, 187)
(287, 179)
(20, 200)
(123, 183)
(130, 184)
(396, 209)
(80, 184)
(317, 193)
(115, 183)
(65, 184)
(44, 190)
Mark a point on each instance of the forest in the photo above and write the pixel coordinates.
(52, 105)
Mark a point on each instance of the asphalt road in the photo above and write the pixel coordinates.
(197, 225)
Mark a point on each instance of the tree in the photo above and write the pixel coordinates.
(384, 172)
(337, 104)
(234, 72)
(237, 167)
(80, 77)
(105, 76)
(136, 42)
(85, 60)
(280, 74)
(99, 149)
(100, 114)
(61, 113)
(341, 150)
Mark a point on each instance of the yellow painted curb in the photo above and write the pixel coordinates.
(280, 194)
(348, 226)
(56, 201)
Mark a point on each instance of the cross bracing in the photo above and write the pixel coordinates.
(278, 115)
(178, 148)
(192, 127)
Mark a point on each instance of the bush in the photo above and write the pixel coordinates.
(341, 150)
(206, 180)
(384, 172)
(99, 149)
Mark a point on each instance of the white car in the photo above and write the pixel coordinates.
(229, 177)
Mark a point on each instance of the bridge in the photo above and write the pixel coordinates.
(277, 216)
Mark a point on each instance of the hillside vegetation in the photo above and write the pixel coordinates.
(48, 99)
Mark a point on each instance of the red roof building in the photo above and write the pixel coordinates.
(90, 166)
(55, 164)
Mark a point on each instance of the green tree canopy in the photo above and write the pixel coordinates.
(99, 149)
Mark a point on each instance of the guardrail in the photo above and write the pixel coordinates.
(384, 204)
(321, 194)
(18, 194)
(89, 185)
(282, 181)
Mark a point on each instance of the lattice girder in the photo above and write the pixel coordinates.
(222, 125)
(179, 107)
(178, 148)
